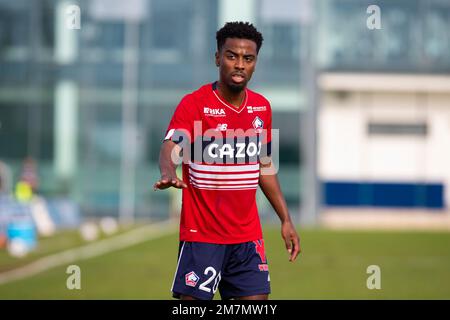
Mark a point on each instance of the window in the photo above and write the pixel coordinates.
(417, 129)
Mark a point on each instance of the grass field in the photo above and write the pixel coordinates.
(414, 265)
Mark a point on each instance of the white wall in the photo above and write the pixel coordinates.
(348, 153)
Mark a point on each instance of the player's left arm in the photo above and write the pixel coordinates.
(268, 181)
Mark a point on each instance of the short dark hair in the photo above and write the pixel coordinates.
(240, 30)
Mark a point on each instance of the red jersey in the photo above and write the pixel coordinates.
(222, 149)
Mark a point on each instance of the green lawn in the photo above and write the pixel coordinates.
(414, 265)
(60, 241)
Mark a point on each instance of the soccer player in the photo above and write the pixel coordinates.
(222, 134)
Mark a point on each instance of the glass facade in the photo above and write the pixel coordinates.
(413, 38)
(175, 48)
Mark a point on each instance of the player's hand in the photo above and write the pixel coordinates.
(169, 181)
(291, 239)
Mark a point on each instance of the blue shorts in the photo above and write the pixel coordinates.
(237, 270)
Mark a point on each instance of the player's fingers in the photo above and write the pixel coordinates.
(183, 184)
(297, 247)
(162, 181)
(288, 245)
(161, 184)
(295, 251)
(291, 250)
(157, 185)
(180, 184)
(177, 184)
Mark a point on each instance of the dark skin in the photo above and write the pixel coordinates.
(236, 62)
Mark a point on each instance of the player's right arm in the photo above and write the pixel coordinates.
(178, 136)
(168, 156)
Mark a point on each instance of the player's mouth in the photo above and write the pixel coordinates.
(237, 77)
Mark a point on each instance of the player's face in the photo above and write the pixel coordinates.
(236, 61)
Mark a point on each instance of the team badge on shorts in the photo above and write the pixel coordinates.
(191, 279)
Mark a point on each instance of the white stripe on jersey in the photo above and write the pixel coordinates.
(224, 168)
(241, 187)
(224, 176)
(224, 182)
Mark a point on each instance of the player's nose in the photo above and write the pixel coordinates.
(239, 64)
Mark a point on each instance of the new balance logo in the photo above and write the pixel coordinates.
(221, 127)
(214, 112)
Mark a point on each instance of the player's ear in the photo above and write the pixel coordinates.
(217, 60)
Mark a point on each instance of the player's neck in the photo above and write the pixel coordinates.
(235, 99)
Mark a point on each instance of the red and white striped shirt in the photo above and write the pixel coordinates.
(222, 148)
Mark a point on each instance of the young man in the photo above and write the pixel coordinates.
(223, 130)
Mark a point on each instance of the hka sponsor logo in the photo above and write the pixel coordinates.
(217, 112)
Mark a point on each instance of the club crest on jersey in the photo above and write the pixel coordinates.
(216, 112)
(258, 124)
(191, 279)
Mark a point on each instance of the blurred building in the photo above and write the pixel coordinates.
(384, 124)
(91, 105)
(67, 96)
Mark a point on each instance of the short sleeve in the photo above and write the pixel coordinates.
(269, 124)
(182, 122)
(267, 138)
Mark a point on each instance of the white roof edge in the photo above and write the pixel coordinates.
(384, 82)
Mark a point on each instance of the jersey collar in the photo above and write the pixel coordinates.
(221, 100)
